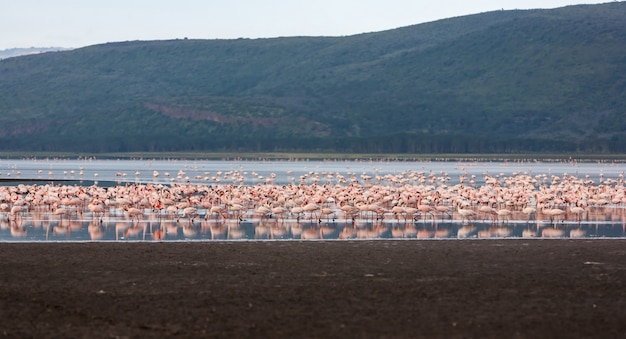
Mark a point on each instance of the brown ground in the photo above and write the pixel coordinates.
(480, 288)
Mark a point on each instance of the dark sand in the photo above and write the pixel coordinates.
(480, 288)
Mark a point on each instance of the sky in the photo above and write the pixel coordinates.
(78, 23)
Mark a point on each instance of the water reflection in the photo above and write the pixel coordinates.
(54, 228)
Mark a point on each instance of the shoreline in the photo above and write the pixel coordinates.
(296, 240)
(274, 156)
(381, 288)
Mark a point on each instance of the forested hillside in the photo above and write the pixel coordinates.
(497, 82)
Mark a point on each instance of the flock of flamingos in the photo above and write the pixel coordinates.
(363, 204)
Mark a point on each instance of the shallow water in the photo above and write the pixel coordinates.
(54, 229)
(596, 222)
(110, 172)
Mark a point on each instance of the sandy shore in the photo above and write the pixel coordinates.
(479, 288)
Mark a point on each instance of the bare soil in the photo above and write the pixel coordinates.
(392, 289)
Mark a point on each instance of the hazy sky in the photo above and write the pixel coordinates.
(77, 23)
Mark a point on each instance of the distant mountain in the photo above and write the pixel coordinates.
(15, 52)
(497, 82)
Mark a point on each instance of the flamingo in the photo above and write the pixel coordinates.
(190, 212)
(410, 212)
(264, 211)
(553, 213)
(425, 209)
(578, 211)
(444, 210)
(134, 213)
(297, 211)
(61, 212)
(327, 212)
(279, 212)
(97, 210)
(397, 211)
(349, 211)
(217, 210)
(504, 213)
(488, 211)
(466, 214)
(529, 211)
(237, 211)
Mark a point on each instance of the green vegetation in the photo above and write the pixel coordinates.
(269, 156)
(512, 82)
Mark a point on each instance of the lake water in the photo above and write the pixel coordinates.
(598, 221)
(107, 172)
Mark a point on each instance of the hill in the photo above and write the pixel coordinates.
(504, 81)
(15, 52)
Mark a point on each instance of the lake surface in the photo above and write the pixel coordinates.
(606, 221)
(107, 172)
(202, 230)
